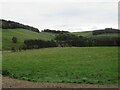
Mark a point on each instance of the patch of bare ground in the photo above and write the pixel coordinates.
(14, 83)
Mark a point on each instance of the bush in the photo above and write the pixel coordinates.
(5, 72)
(13, 49)
(14, 40)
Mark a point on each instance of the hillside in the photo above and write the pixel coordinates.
(22, 34)
(90, 34)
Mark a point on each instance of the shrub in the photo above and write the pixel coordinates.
(5, 72)
(13, 49)
(14, 40)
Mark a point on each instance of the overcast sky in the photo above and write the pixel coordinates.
(72, 15)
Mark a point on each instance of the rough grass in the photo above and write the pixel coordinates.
(91, 65)
(22, 35)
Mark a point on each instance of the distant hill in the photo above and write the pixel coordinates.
(15, 25)
(108, 32)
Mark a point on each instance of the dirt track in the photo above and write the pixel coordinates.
(13, 83)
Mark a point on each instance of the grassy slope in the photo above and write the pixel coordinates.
(85, 34)
(22, 35)
(74, 65)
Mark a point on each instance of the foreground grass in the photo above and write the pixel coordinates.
(91, 65)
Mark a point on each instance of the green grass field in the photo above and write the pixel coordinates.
(89, 65)
(22, 35)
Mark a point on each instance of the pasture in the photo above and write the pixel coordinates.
(89, 65)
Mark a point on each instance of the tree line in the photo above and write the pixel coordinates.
(4, 24)
(33, 44)
(30, 44)
(54, 31)
(70, 40)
